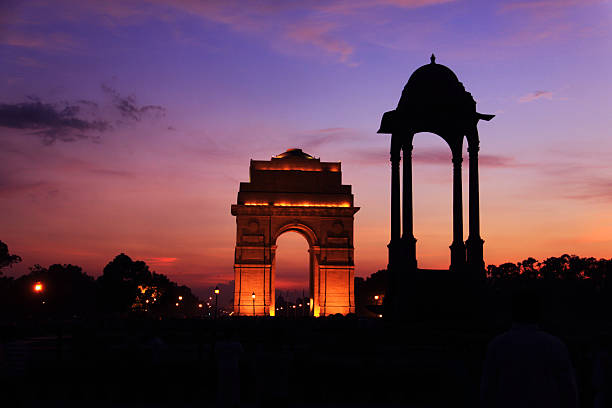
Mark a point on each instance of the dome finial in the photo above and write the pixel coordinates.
(433, 59)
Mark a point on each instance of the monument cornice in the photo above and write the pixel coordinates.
(271, 210)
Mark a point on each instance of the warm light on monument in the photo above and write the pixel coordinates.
(295, 192)
(302, 204)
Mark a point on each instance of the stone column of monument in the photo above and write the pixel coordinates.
(474, 243)
(457, 247)
(395, 201)
(408, 240)
(393, 268)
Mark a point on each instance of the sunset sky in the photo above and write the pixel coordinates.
(126, 126)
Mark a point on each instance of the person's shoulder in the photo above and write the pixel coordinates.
(502, 338)
(552, 341)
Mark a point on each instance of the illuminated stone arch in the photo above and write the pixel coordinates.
(294, 192)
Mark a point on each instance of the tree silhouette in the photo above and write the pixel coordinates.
(7, 259)
(67, 290)
(127, 285)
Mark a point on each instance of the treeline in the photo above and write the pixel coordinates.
(125, 287)
(565, 267)
(567, 274)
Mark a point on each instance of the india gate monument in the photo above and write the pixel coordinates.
(294, 192)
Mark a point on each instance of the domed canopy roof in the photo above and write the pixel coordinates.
(293, 153)
(432, 74)
(432, 84)
(433, 100)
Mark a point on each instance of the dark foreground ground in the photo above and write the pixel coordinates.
(341, 361)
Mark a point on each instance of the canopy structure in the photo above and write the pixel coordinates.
(434, 101)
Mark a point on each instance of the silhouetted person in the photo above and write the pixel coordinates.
(526, 367)
(227, 354)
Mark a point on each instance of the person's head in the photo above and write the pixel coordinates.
(525, 306)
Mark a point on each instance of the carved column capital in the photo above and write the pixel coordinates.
(407, 148)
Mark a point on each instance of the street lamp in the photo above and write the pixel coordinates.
(376, 297)
(216, 300)
(253, 296)
(180, 298)
(38, 289)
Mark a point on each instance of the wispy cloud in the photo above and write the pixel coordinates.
(545, 5)
(48, 41)
(10, 187)
(599, 189)
(320, 34)
(160, 261)
(284, 24)
(348, 6)
(533, 96)
(547, 20)
(435, 156)
(127, 107)
(312, 140)
(71, 121)
(50, 121)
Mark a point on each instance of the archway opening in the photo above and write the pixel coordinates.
(432, 180)
(292, 275)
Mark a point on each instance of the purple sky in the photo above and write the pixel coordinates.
(126, 126)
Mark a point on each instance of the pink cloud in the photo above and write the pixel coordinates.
(52, 41)
(546, 5)
(319, 34)
(348, 6)
(435, 156)
(316, 26)
(530, 97)
(160, 261)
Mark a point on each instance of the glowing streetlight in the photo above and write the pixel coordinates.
(200, 305)
(253, 297)
(216, 300)
(176, 304)
(180, 298)
(38, 287)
